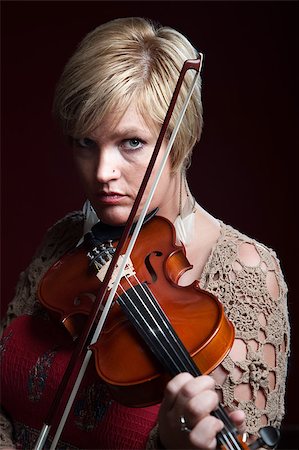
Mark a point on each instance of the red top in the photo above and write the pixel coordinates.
(30, 380)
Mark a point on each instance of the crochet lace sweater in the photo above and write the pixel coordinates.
(260, 319)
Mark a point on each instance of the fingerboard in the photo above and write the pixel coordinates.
(150, 321)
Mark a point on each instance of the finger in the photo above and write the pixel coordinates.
(204, 433)
(173, 388)
(200, 406)
(196, 385)
(196, 398)
(239, 419)
(184, 387)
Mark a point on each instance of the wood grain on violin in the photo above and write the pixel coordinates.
(122, 358)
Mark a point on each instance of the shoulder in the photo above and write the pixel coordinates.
(238, 258)
(64, 233)
(60, 238)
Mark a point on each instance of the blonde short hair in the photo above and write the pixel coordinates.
(123, 61)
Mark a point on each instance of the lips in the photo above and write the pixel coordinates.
(109, 198)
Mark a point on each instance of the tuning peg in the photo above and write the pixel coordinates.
(269, 438)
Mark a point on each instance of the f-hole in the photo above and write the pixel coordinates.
(149, 266)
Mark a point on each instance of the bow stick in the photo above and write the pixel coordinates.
(93, 329)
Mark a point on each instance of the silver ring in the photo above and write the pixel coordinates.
(184, 426)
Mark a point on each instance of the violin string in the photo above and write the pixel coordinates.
(226, 439)
(143, 323)
(161, 322)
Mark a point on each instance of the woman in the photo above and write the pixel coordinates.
(111, 101)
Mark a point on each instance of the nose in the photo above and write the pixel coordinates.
(107, 168)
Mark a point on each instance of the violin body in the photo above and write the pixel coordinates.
(122, 359)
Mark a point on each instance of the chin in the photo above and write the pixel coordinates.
(113, 218)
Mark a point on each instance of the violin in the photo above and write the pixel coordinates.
(152, 299)
(155, 328)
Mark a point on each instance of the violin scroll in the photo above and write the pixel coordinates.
(269, 438)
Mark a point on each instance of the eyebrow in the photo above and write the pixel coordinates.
(126, 132)
(133, 131)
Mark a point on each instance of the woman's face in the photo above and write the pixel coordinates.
(111, 162)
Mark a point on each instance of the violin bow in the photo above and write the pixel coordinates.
(93, 328)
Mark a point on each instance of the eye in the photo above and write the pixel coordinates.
(83, 142)
(132, 144)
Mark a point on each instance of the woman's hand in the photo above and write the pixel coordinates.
(185, 419)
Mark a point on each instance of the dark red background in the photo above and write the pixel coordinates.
(245, 170)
